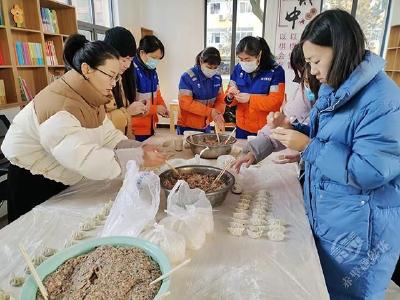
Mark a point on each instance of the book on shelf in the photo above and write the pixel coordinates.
(28, 53)
(51, 56)
(1, 57)
(26, 94)
(49, 20)
(2, 93)
(1, 15)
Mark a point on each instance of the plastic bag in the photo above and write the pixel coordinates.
(182, 197)
(170, 241)
(136, 204)
(188, 225)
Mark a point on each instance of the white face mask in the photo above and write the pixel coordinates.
(249, 66)
(208, 72)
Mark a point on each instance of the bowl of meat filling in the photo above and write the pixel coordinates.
(202, 177)
(115, 268)
(199, 142)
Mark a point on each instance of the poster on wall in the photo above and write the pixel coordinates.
(293, 16)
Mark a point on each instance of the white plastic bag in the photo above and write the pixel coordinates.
(173, 243)
(188, 225)
(182, 196)
(136, 204)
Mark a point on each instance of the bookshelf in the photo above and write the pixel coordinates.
(393, 54)
(35, 74)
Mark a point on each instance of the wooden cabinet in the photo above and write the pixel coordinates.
(393, 54)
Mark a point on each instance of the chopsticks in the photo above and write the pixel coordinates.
(162, 277)
(202, 151)
(216, 132)
(233, 131)
(34, 273)
(220, 175)
(173, 168)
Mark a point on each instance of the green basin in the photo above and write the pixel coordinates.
(29, 289)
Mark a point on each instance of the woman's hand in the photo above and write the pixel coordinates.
(162, 111)
(136, 108)
(291, 138)
(152, 157)
(288, 158)
(232, 91)
(246, 159)
(242, 97)
(218, 118)
(278, 119)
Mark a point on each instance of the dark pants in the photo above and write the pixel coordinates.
(243, 134)
(181, 129)
(26, 190)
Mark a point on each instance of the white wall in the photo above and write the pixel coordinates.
(395, 17)
(179, 24)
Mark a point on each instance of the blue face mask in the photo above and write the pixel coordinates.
(309, 94)
(152, 63)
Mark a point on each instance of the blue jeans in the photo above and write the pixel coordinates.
(181, 129)
(243, 134)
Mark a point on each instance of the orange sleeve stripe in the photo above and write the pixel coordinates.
(187, 103)
(271, 102)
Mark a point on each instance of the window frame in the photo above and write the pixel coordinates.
(387, 25)
(94, 28)
(235, 12)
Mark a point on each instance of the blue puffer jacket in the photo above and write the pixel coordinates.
(352, 181)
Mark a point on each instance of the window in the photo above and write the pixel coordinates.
(229, 22)
(216, 38)
(243, 32)
(94, 17)
(371, 15)
(215, 8)
(244, 7)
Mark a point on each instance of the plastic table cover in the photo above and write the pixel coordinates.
(226, 267)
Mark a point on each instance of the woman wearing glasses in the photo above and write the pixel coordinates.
(149, 54)
(63, 135)
(121, 109)
(201, 98)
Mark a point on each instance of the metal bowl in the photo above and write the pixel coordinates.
(214, 150)
(215, 198)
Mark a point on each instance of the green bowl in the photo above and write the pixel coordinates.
(29, 289)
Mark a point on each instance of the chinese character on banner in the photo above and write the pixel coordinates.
(293, 17)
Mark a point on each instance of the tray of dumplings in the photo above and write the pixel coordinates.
(253, 217)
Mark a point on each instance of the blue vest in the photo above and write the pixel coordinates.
(261, 83)
(146, 80)
(203, 89)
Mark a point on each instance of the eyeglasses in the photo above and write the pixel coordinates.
(112, 78)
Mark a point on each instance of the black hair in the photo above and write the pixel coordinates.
(340, 31)
(297, 62)
(209, 55)
(124, 42)
(253, 46)
(150, 43)
(313, 82)
(79, 50)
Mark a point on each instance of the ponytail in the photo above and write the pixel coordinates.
(79, 50)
